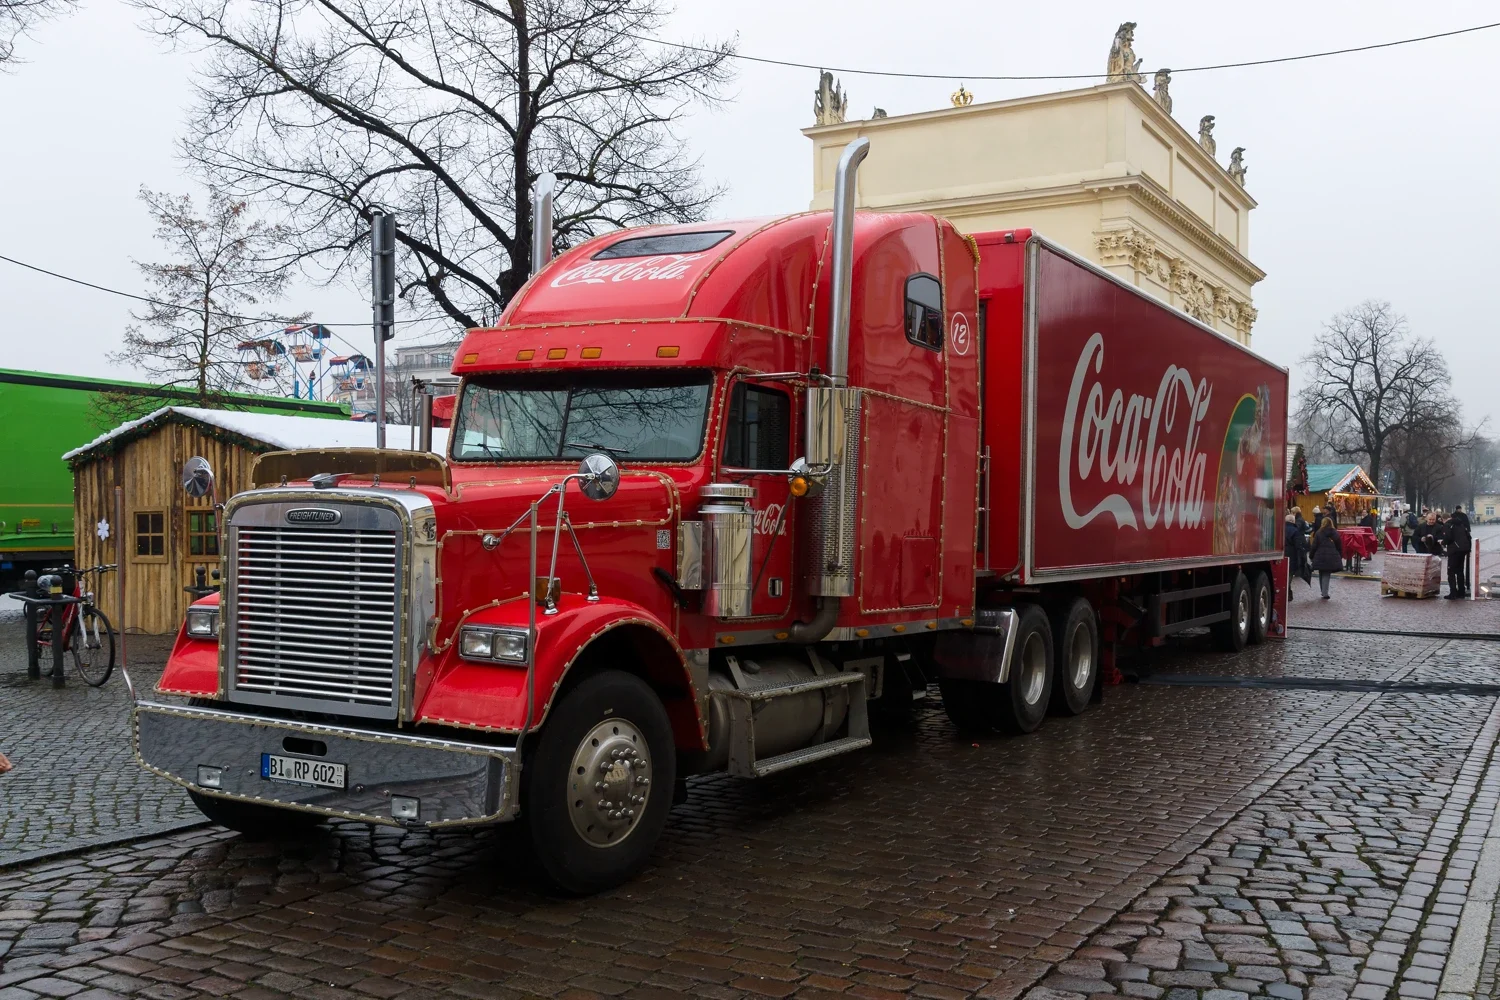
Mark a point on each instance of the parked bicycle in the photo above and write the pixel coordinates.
(86, 633)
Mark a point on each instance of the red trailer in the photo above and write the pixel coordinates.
(710, 493)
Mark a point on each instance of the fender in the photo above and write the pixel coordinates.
(193, 667)
(492, 697)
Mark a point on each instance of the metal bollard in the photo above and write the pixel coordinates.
(33, 659)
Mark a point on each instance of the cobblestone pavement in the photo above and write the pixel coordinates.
(1175, 842)
(75, 783)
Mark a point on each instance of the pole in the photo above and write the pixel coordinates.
(1473, 571)
(383, 304)
(120, 585)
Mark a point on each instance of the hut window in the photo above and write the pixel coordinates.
(150, 534)
(203, 534)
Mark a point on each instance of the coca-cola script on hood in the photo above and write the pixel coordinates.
(1153, 443)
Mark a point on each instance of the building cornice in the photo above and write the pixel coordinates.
(1150, 194)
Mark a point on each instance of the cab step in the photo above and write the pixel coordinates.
(742, 706)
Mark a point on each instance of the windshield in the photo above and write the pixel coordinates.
(642, 416)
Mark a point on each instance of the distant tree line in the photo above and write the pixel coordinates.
(1381, 396)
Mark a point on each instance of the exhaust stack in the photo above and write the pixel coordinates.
(541, 221)
(833, 410)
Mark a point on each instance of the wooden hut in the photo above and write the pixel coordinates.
(1346, 487)
(168, 534)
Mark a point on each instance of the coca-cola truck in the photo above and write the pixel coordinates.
(712, 493)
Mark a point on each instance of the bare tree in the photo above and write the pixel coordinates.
(1369, 378)
(446, 112)
(192, 338)
(1476, 468)
(17, 17)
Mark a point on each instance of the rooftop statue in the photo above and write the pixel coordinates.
(1237, 168)
(1123, 64)
(1159, 90)
(1206, 135)
(830, 102)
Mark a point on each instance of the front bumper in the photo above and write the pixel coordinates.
(455, 783)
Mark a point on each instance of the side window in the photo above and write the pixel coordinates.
(150, 535)
(757, 433)
(924, 311)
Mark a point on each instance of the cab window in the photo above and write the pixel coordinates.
(924, 311)
(757, 433)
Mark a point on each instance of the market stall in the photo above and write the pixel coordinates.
(1345, 488)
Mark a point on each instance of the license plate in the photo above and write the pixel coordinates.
(302, 771)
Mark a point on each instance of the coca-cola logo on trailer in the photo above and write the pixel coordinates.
(1139, 442)
(661, 267)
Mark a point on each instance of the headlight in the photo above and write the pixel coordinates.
(478, 643)
(203, 623)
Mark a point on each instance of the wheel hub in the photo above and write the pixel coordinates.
(609, 783)
(1033, 669)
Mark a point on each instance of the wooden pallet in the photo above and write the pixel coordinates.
(1388, 591)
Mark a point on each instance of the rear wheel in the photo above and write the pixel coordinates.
(254, 821)
(1260, 607)
(599, 784)
(1020, 704)
(1075, 633)
(1232, 635)
(93, 646)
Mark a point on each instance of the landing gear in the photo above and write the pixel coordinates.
(599, 784)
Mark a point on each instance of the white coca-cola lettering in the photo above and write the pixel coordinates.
(766, 518)
(1108, 435)
(662, 267)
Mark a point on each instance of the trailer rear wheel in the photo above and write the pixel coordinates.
(1260, 607)
(1029, 689)
(1075, 633)
(1231, 635)
(599, 784)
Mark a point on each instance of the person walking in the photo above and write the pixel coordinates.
(1295, 548)
(1327, 553)
(1460, 542)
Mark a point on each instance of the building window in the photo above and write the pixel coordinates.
(924, 311)
(203, 535)
(757, 434)
(150, 536)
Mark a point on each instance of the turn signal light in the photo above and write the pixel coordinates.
(469, 359)
(666, 352)
(590, 353)
(525, 355)
(798, 486)
(557, 353)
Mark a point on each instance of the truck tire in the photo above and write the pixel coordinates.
(1075, 633)
(1261, 603)
(1232, 635)
(1028, 692)
(599, 784)
(972, 706)
(254, 821)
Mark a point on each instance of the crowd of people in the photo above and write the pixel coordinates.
(1316, 545)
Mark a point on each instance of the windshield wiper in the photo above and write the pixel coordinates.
(586, 445)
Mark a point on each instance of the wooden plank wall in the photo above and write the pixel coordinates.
(150, 469)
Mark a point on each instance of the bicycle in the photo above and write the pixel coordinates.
(87, 634)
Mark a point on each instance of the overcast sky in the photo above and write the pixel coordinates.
(1374, 171)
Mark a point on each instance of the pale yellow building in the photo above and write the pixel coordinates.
(1106, 171)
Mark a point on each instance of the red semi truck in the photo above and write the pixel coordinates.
(711, 492)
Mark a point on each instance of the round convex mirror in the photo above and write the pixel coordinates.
(197, 476)
(604, 473)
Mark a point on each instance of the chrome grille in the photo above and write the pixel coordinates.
(316, 616)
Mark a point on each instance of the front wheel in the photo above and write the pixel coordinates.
(93, 646)
(254, 821)
(599, 784)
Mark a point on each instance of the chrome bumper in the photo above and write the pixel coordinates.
(455, 783)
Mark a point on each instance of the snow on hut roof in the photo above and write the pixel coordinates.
(271, 431)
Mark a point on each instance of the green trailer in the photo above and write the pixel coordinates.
(43, 415)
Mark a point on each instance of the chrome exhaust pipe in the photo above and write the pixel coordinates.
(833, 417)
(541, 221)
(424, 421)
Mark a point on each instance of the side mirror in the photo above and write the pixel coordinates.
(197, 477)
(602, 476)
